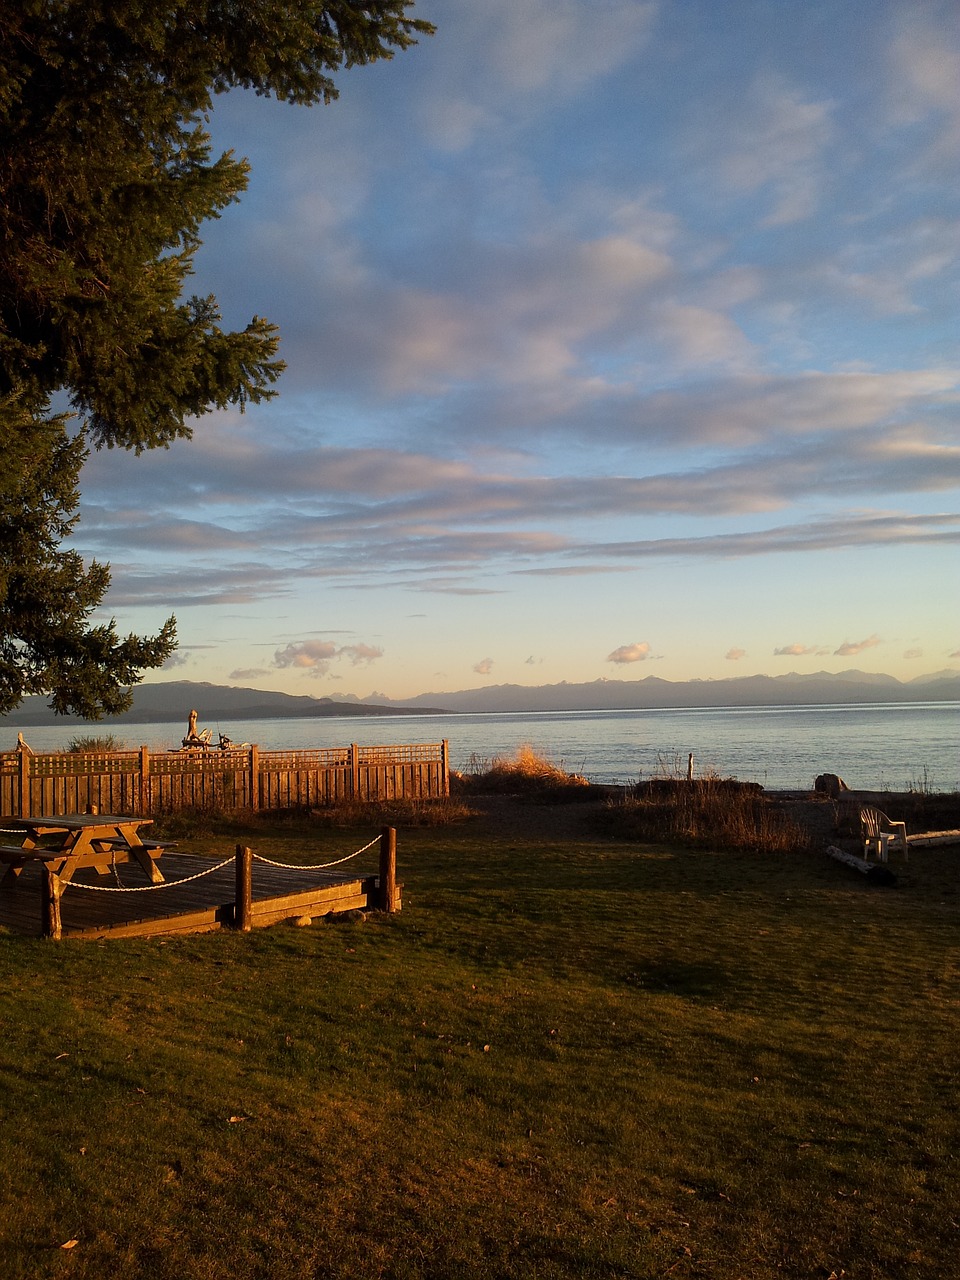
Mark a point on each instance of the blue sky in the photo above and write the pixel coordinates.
(622, 340)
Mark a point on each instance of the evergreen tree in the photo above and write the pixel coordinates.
(106, 177)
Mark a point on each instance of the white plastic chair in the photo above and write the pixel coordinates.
(879, 833)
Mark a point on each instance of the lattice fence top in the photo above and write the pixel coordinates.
(186, 762)
(413, 753)
(319, 758)
(75, 764)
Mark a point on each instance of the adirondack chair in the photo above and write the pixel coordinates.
(879, 832)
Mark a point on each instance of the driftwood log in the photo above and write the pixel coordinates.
(933, 839)
(875, 872)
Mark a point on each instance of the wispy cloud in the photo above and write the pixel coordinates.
(851, 648)
(779, 135)
(924, 87)
(510, 58)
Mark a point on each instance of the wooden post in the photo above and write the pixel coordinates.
(387, 896)
(50, 890)
(145, 797)
(690, 767)
(243, 903)
(254, 766)
(24, 799)
(354, 771)
(445, 766)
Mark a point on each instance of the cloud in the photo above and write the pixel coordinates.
(913, 653)
(177, 659)
(857, 530)
(734, 655)
(483, 667)
(361, 653)
(307, 654)
(700, 336)
(796, 651)
(452, 561)
(368, 502)
(638, 652)
(510, 58)
(925, 81)
(850, 649)
(315, 656)
(759, 407)
(527, 314)
(780, 135)
(248, 673)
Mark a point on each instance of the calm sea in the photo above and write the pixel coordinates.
(895, 746)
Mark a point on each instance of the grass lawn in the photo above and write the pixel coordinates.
(568, 1056)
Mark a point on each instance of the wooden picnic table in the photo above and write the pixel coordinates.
(65, 842)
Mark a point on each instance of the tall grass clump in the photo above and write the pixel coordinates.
(525, 771)
(719, 813)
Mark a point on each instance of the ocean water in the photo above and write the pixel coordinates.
(896, 746)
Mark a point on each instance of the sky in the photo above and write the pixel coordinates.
(621, 340)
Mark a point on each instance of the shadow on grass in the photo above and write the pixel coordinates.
(680, 978)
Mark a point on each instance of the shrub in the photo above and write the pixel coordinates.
(85, 745)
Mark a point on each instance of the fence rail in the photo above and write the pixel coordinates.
(143, 783)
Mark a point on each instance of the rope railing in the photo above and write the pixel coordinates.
(146, 888)
(315, 866)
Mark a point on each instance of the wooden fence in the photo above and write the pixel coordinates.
(140, 782)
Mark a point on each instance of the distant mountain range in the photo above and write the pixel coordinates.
(170, 702)
(741, 691)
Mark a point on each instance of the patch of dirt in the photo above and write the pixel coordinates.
(545, 818)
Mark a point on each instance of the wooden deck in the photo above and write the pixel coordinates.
(198, 906)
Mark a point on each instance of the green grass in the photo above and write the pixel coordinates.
(573, 1057)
